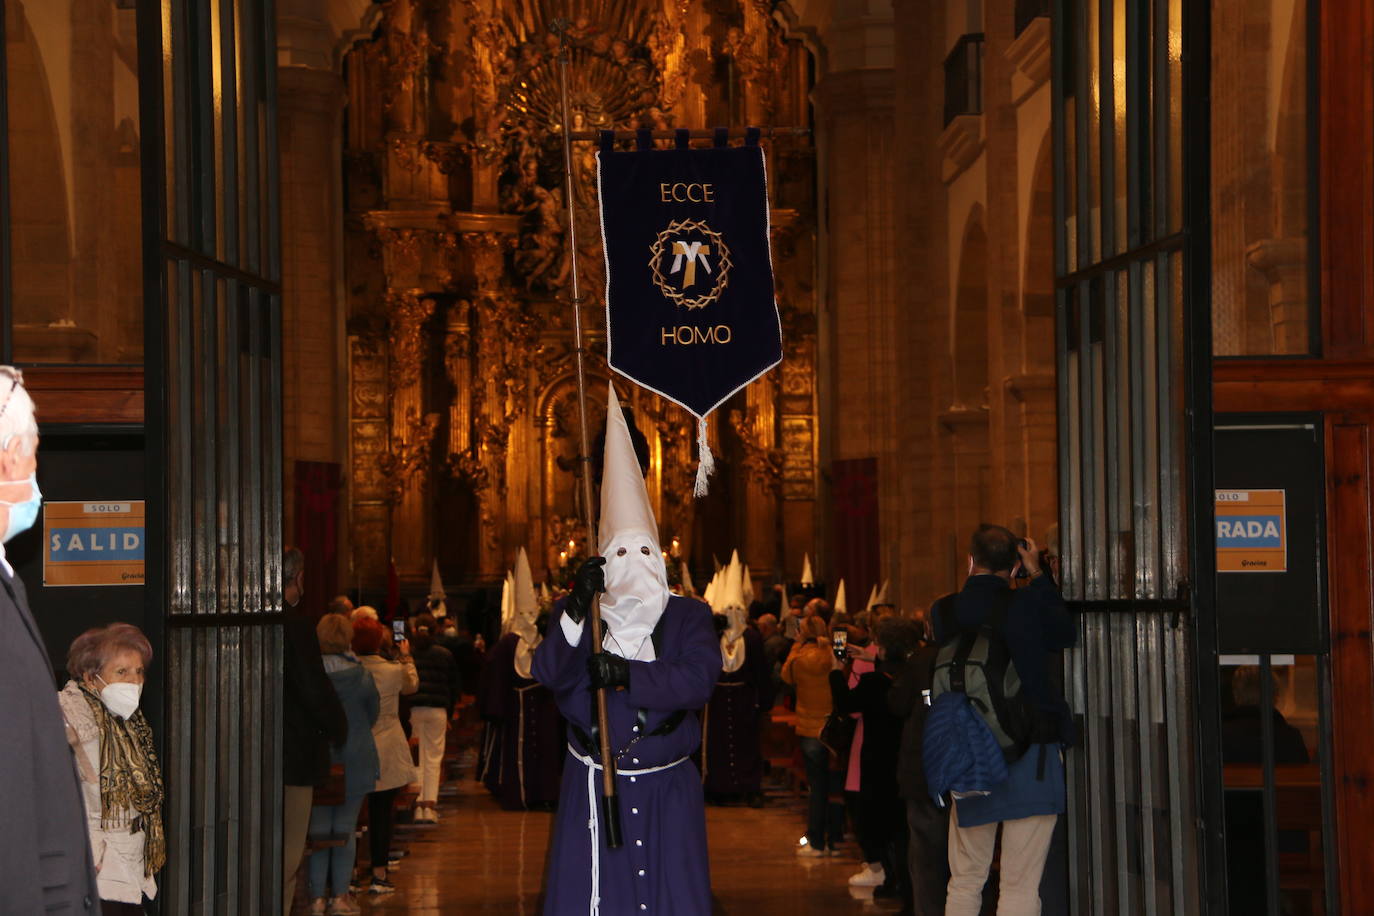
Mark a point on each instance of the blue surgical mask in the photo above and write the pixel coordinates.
(23, 514)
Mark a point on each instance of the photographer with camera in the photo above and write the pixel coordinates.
(1029, 623)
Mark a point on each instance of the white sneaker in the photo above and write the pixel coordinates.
(868, 876)
(343, 906)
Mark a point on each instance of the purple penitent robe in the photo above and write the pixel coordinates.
(525, 747)
(662, 865)
(732, 759)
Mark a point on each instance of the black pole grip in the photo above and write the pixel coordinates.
(610, 820)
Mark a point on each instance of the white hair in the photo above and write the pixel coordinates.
(364, 611)
(16, 412)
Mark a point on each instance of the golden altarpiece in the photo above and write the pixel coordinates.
(462, 425)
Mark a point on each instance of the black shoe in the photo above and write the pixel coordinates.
(887, 891)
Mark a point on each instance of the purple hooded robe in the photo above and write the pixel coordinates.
(525, 745)
(662, 865)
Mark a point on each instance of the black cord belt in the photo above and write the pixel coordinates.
(666, 727)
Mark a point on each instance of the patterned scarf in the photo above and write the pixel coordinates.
(130, 779)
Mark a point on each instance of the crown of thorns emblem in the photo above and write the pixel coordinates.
(689, 262)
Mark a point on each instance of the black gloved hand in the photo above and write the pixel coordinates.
(608, 670)
(589, 579)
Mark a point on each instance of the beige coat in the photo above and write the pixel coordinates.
(118, 854)
(393, 752)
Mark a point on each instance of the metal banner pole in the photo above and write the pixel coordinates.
(611, 806)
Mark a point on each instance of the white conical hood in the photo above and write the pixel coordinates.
(526, 612)
(872, 598)
(545, 596)
(436, 593)
(709, 596)
(882, 595)
(733, 606)
(436, 584)
(841, 604)
(687, 587)
(747, 585)
(807, 578)
(636, 579)
(507, 603)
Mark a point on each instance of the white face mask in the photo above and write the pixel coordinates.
(636, 592)
(120, 698)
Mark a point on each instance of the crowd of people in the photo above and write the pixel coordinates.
(347, 742)
(856, 690)
(863, 693)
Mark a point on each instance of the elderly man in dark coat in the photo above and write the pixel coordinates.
(660, 658)
(45, 855)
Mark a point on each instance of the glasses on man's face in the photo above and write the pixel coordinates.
(16, 378)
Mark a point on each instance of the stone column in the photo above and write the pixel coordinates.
(859, 355)
(314, 369)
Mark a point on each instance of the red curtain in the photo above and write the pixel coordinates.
(318, 484)
(854, 490)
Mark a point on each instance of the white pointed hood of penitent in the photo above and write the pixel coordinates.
(436, 591)
(636, 580)
(733, 606)
(507, 603)
(526, 612)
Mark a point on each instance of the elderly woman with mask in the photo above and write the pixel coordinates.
(116, 762)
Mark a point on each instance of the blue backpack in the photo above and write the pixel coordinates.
(958, 750)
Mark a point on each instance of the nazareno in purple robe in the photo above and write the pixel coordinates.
(524, 746)
(662, 866)
(731, 756)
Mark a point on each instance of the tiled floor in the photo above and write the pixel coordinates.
(481, 859)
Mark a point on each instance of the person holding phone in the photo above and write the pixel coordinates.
(392, 679)
(431, 710)
(808, 669)
(880, 817)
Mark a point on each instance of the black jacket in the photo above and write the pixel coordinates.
(312, 717)
(439, 681)
(882, 730)
(1037, 626)
(906, 700)
(45, 852)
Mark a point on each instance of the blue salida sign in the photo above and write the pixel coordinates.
(67, 544)
(95, 542)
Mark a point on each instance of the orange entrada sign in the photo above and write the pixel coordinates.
(1252, 531)
(93, 543)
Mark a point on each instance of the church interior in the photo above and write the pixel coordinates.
(307, 268)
